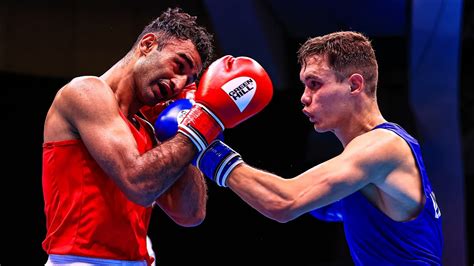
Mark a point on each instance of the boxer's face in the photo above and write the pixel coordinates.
(326, 102)
(160, 74)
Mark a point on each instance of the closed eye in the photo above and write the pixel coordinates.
(185, 65)
(180, 67)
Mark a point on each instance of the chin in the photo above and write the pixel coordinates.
(319, 128)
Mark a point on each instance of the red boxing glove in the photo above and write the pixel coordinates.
(151, 113)
(230, 91)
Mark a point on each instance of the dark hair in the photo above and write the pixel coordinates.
(174, 23)
(346, 52)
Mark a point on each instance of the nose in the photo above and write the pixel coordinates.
(305, 98)
(180, 82)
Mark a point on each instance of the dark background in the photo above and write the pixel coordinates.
(43, 44)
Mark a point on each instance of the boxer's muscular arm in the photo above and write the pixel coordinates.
(370, 158)
(91, 109)
(185, 201)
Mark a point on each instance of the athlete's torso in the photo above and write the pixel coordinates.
(86, 213)
(376, 239)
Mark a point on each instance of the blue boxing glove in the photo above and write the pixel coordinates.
(166, 124)
(217, 161)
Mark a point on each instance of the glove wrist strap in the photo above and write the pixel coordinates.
(217, 161)
(201, 126)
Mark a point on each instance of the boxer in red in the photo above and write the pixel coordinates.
(103, 168)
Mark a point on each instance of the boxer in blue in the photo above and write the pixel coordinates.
(378, 186)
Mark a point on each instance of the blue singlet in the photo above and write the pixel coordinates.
(375, 239)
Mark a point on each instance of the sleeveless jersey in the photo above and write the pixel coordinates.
(86, 212)
(375, 239)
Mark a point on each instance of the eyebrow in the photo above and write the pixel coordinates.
(311, 76)
(190, 63)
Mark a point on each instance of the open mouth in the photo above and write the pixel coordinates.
(308, 115)
(164, 90)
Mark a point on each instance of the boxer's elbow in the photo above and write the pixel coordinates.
(140, 191)
(282, 216)
(139, 196)
(190, 220)
(188, 216)
(280, 210)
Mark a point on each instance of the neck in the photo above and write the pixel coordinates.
(120, 79)
(362, 121)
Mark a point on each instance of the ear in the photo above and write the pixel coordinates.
(356, 81)
(147, 43)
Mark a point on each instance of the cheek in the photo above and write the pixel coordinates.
(140, 71)
(327, 102)
(149, 66)
(323, 97)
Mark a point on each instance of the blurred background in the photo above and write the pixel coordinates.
(425, 53)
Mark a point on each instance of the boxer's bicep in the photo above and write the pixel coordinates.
(91, 109)
(364, 161)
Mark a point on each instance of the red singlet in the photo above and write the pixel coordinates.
(86, 212)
